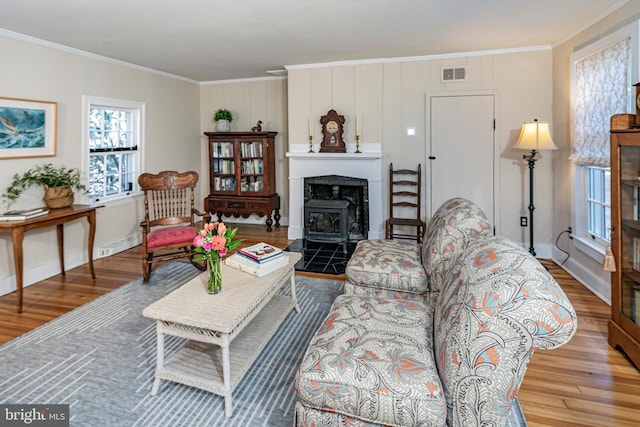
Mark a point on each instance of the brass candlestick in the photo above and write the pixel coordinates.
(310, 144)
(358, 144)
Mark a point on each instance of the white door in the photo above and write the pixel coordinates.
(462, 154)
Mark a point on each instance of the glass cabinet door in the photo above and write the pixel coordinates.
(251, 167)
(630, 232)
(223, 165)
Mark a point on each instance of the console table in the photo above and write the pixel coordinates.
(55, 217)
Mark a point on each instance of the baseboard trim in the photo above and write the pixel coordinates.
(600, 286)
(118, 246)
(36, 273)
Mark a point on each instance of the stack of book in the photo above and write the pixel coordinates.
(24, 214)
(259, 260)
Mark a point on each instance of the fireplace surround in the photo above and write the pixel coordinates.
(362, 166)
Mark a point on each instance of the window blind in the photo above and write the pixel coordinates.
(602, 82)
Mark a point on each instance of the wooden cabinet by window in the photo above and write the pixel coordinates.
(624, 326)
(242, 175)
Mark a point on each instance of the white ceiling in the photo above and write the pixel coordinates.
(206, 40)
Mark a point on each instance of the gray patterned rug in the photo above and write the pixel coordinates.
(100, 360)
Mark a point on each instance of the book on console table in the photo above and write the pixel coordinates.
(248, 266)
(261, 252)
(24, 214)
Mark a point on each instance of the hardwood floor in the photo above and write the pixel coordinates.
(583, 383)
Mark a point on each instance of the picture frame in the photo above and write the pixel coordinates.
(28, 128)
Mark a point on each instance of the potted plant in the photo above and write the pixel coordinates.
(223, 119)
(58, 181)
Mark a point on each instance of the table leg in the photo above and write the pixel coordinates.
(92, 233)
(60, 233)
(293, 292)
(17, 237)
(159, 358)
(277, 217)
(226, 375)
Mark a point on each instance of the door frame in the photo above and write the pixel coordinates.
(497, 144)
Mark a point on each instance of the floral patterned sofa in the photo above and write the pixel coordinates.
(390, 267)
(451, 349)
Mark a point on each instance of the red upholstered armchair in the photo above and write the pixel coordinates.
(168, 227)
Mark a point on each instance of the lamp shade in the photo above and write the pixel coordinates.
(535, 135)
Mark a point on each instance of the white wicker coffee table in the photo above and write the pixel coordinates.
(227, 331)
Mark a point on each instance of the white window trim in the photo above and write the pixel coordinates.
(581, 241)
(87, 102)
(584, 242)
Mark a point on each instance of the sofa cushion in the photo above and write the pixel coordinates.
(372, 359)
(497, 305)
(310, 417)
(371, 291)
(175, 235)
(388, 264)
(453, 226)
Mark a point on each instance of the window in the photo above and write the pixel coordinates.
(599, 203)
(601, 87)
(113, 134)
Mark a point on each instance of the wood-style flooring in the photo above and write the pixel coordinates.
(583, 383)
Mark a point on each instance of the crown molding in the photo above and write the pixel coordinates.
(608, 11)
(89, 55)
(420, 58)
(245, 80)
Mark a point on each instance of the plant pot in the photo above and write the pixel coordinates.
(58, 197)
(223, 125)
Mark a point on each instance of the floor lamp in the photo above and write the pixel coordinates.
(534, 136)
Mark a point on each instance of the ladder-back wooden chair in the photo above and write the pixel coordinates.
(168, 227)
(405, 195)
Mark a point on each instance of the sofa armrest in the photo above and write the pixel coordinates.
(454, 225)
(497, 306)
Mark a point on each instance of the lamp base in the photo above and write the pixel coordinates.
(531, 160)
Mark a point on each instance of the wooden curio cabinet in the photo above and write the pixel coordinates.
(624, 326)
(242, 176)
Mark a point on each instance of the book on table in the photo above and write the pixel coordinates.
(261, 252)
(248, 266)
(23, 214)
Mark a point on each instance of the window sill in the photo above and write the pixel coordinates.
(590, 248)
(119, 201)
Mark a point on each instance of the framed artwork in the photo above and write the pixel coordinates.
(27, 128)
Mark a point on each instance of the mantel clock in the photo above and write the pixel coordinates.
(332, 128)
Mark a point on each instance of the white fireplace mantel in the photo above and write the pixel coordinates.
(334, 156)
(366, 165)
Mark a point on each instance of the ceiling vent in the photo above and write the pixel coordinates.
(458, 74)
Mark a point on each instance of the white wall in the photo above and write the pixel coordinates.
(249, 100)
(389, 96)
(35, 71)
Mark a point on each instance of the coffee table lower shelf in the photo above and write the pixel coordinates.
(201, 363)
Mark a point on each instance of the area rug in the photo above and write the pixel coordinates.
(100, 360)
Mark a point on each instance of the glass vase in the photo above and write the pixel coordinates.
(214, 276)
